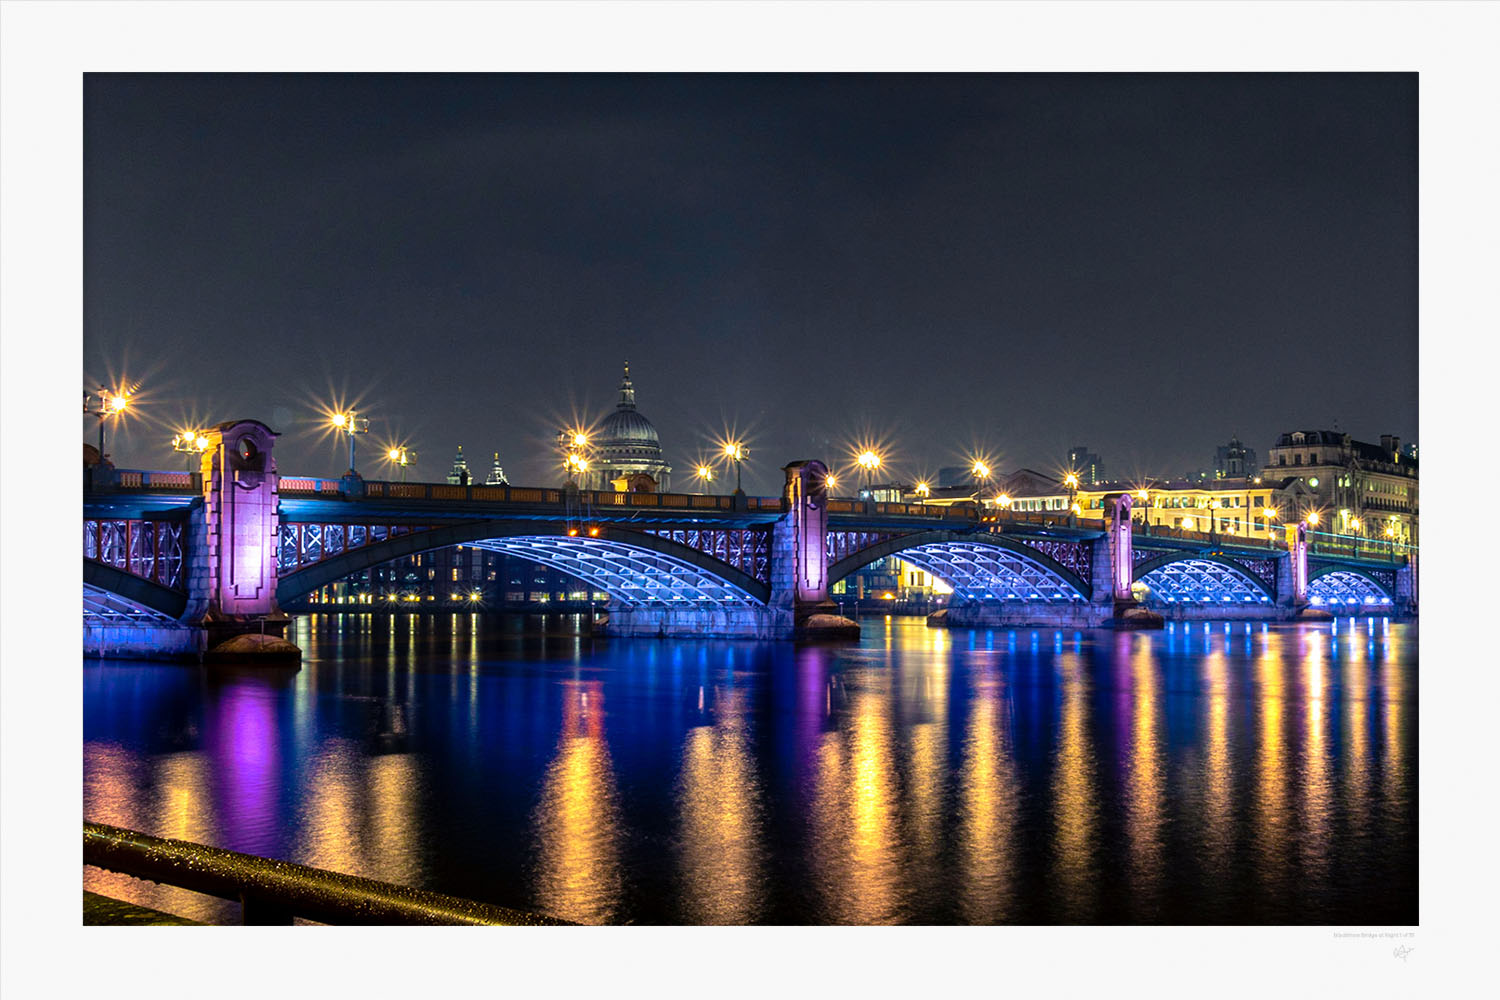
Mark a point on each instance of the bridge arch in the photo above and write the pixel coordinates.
(1346, 586)
(1200, 578)
(111, 592)
(977, 565)
(633, 567)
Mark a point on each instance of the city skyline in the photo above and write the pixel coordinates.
(991, 264)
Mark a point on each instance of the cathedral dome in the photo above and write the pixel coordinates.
(629, 451)
(627, 427)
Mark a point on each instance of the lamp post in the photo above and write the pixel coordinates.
(1144, 497)
(190, 443)
(832, 482)
(1071, 480)
(402, 457)
(981, 473)
(736, 452)
(105, 403)
(705, 476)
(869, 461)
(1213, 520)
(1270, 515)
(350, 424)
(924, 491)
(577, 465)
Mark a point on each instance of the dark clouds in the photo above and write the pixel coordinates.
(1144, 264)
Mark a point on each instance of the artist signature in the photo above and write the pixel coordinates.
(1401, 951)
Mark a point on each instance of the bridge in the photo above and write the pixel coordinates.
(180, 562)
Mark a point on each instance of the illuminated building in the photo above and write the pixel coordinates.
(625, 454)
(1353, 481)
(497, 474)
(459, 476)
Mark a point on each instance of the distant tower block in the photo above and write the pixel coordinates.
(497, 474)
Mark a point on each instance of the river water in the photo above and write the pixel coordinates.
(1205, 774)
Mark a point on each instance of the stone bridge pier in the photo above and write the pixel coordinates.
(223, 605)
(799, 605)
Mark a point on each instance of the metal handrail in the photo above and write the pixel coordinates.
(273, 892)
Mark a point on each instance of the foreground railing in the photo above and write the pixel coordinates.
(273, 892)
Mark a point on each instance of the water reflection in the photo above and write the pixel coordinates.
(1272, 774)
(854, 851)
(988, 808)
(578, 874)
(1145, 791)
(1189, 776)
(1075, 813)
(719, 802)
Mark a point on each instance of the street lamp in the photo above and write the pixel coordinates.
(577, 466)
(981, 473)
(736, 452)
(350, 424)
(923, 490)
(105, 403)
(705, 476)
(831, 481)
(1213, 520)
(1071, 480)
(190, 443)
(1270, 515)
(1144, 498)
(869, 461)
(402, 457)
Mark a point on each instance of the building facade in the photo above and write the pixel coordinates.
(1235, 461)
(1373, 486)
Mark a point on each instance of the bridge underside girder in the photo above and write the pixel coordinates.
(981, 572)
(633, 576)
(101, 607)
(1202, 581)
(1342, 588)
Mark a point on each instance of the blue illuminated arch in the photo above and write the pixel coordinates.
(630, 566)
(1200, 579)
(977, 567)
(1346, 588)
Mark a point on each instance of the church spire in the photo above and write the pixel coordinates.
(627, 391)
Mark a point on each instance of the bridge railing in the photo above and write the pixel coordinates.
(273, 892)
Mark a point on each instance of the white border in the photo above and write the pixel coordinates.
(44, 48)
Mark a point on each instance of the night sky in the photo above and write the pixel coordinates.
(949, 265)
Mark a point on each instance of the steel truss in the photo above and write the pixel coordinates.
(634, 576)
(1202, 581)
(1340, 587)
(303, 544)
(100, 607)
(151, 550)
(746, 549)
(980, 572)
